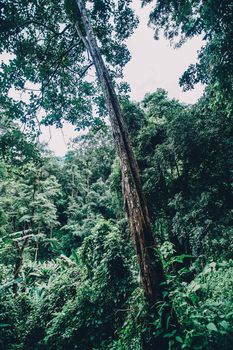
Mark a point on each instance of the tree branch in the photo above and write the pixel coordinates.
(43, 25)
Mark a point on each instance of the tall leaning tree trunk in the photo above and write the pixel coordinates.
(151, 270)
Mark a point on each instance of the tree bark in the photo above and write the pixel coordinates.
(151, 270)
(18, 263)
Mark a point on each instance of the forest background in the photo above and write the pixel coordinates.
(69, 273)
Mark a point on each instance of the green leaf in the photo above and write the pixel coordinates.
(195, 287)
(179, 339)
(170, 335)
(225, 324)
(211, 327)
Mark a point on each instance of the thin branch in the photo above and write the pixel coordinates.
(50, 135)
(58, 61)
(38, 123)
(63, 136)
(43, 25)
(28, 89)
(85, 70)
(16, 233)
(64, 54)
(24, 238)
(78, 73)
(64, 30)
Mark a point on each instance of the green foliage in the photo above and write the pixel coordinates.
(81, 300)
(85, 178)
(185, 155)
(49, 64)
(77, 280)
(68, 273)
(76, 286)
(205, 307)
(15, 146)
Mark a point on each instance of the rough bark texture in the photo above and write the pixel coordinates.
(18, 263)
(151, 270)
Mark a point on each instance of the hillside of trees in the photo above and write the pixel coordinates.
(126, 243)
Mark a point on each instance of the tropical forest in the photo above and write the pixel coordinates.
(126, 241)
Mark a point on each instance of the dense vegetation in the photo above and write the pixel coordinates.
(68, 272)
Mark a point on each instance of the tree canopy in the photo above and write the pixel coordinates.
(70, 277)
(49, 63)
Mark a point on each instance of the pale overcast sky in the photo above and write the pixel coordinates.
(154, 64)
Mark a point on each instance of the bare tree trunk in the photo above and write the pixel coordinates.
(18, 263)
(151, 269)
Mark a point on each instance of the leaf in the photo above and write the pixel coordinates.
(180, 258)
(225, 324)
(179, 339)
(211, 327)
(76, 257)
(167, 323)
(213, 265)
(171, 334)
(195, 287)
